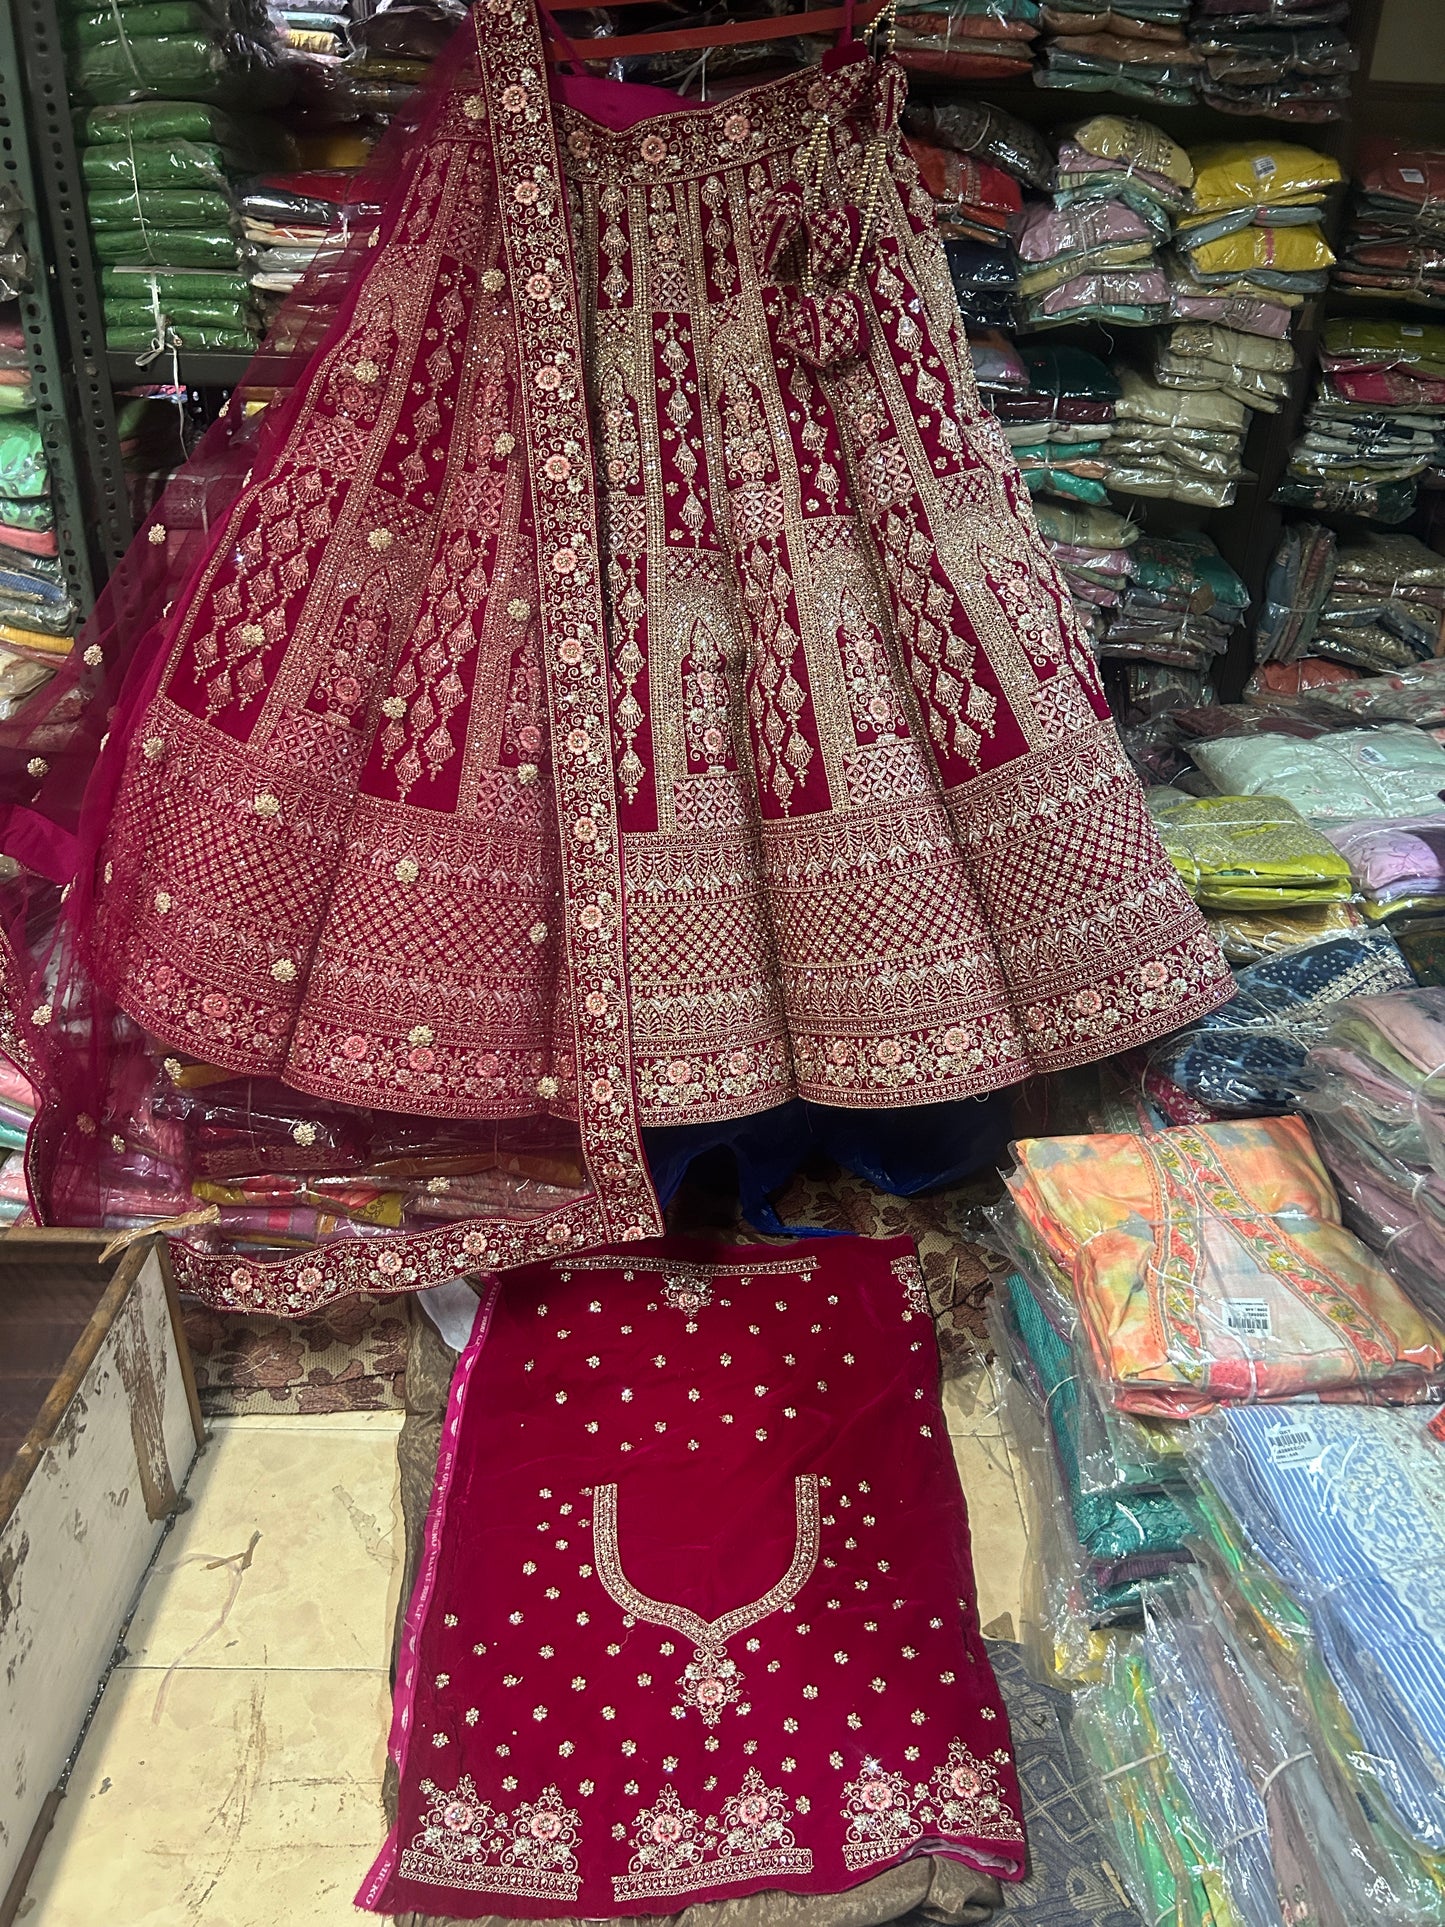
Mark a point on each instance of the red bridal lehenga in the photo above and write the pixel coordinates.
(617, 681)
(695, 1613)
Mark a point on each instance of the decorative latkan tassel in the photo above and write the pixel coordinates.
(816, 253)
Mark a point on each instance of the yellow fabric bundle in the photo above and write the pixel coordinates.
(1258, 174)
(1292, 250)
(1251, 851)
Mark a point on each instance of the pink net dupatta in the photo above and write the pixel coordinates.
(290, 949)
(695, 1616)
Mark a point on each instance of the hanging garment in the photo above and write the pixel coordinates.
(620, 683)
(718, 1635)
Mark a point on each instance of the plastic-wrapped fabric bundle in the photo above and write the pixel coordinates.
(24, 473)
(1394, 771)
(987, 133)
(244, 69)
(1250, 936)
(1101, 49)
(974, 201)
(1291, 1834)
(1346, 1506)
(1178, 442)
(1181, 605)
(1248, 1059)
(1252, 368)
(1398, 865)
(1170, 1869)
(967, 39)
(1395, 242)
(1209, 1263)
(1251, 851)
(1377, 421)
(1091, 546)
(1058, 429)
(1128, 1529)
(1295, 73)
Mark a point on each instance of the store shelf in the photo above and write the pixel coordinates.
(195, 369)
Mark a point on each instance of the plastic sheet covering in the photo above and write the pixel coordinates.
(237, 69)
(1393, 771)
(1210, 1263)
(1383, 1059)
(146, 164)
(1248, 1058)
(23, 470)
(1171, 1871)
(1258, 173)
(1347, 1507)
(1290, 1832)
(1248, 937)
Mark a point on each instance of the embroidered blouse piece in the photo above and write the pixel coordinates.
(695, 1617)
(635, 614)
(1209, 1263)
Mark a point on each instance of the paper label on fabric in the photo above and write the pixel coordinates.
(1411, 328)
(1248, 1318)
(1413, 176)
(1263, 166)
(1293, 1445)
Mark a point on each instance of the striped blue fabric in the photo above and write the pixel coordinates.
(1347, 1504)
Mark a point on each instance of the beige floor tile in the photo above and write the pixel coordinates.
(287, 1556)
(243, 1799)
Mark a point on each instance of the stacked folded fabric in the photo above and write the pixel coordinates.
(1246, 309)
(1209, 1264)
(164, 221)
(1290, 62)
(1395, 243)
(1092, 255)
(1059, 427)
(1254, 222)
(1093, 549)
(1340, 1508)
(1398, 864)
(979, 209)
(1120, 47)
(1350, 773)
(998, 367)
(196, 50)
(1377, 421)
(344, 105)
(1180, 606)
(1247, 1059)
(1183, 443)
(38, 616)
(1253, 368)
(1374, 1089)
(1376, 604)
(967, 39)
(987, 133)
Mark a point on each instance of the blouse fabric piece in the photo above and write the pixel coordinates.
(1209, 1263)
(637, 616)
(695, 1617)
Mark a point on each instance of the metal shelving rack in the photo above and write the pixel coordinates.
(61, 309)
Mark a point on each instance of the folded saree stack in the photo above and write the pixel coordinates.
(1375, 604)
(1289, 61)
(1059, 428)
(1376, 423)
(963, 40)
(1093, 254)
(1181, 604)
(1395, 242)
(1093, 550)
(1122, 47)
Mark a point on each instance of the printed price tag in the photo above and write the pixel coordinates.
(1248, 1318)
(1293, 1445)
(1413, 176)
(1263, 165)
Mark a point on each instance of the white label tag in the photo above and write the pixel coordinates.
(1263, 165)
(1293, 1445)
(1413, 176)
(1411, 328)
(1248, 1318)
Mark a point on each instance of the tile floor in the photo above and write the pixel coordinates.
(231, 1776)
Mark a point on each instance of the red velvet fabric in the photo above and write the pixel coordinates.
(696, 1612)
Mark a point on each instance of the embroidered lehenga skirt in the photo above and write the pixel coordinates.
(630, 687)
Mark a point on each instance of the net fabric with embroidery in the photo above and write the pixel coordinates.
(617, 681)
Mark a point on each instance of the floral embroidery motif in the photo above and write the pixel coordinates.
(962, 1799)
(466, 1842)
(687, 1289)
(909, 1274)
(711, 1680)
(880, 1817)
(675, 1851)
